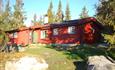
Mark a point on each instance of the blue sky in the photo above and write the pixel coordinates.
(40, 7)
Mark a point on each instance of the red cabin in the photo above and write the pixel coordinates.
(79, 31)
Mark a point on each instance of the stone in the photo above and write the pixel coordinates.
(27, 63)
(100, 63)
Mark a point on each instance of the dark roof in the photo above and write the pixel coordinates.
(60, 24)
(73, 22)
(16, 30)
(10, 31)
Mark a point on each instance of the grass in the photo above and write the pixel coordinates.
(56, 59)
(111, 53)
(59, 60)
(83, 52)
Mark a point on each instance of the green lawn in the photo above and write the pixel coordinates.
(57, 60)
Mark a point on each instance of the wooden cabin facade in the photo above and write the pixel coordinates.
(68, 32)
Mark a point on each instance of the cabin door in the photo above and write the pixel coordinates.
(35, 37)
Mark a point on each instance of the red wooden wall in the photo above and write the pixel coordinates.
(64, 38)
(84, 33)
(24, 37)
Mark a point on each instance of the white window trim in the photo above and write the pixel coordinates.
(15, 34)
(55, 31)
(43, 34)
(70, 29)
(31, 33)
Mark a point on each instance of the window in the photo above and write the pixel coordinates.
(30, 33)
(55, 31)
(43, 34)
(11, 35)
(71, 30)
(15, 35)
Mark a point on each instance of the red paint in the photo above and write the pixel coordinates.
(85, 32)
(64, 38)
(24, 37)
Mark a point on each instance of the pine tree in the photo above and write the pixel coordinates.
(7, 8)
(7, 16)
(106, 15)
(4, 24)
(9, 20)
(34, 20)
(59, 15)
(67, 16)
(18, 14)
(50, 13)
(106, 12)
(1, 11)
(1, 6)
(84, 13)
(41, 20)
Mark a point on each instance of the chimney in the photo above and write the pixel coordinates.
(46, 19)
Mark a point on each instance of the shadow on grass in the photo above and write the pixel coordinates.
(82, 52)
(111, 53)
(81, 55)
(80, 65)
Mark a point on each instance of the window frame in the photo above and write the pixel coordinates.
(15, 34)
(55, 31)
(43, 34)
(71, 30)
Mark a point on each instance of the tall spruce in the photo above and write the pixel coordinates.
(106, 12)
(34, 20)
(1, 11)
(18, 14)
(4, 24)
(84, 13)
(7, 11)
(1, 6)
(59, 14)
(41, 20)
(50, 13)
(67, 12)
(106, 15)
(6, 17)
